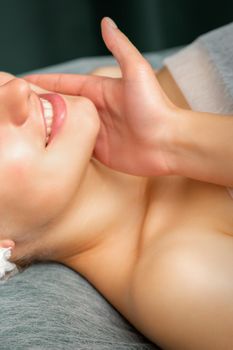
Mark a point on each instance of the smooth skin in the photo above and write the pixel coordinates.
(168, 84)
(121, 142)
(142, 131)
(160, 249)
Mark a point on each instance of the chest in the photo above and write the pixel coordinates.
(177, 203)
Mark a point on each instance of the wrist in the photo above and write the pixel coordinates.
(196, 145)
(173, 140)
(173, 133)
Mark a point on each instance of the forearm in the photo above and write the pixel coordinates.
(202, 147)
(201, 144)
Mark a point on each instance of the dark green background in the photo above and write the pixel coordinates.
(38, 33)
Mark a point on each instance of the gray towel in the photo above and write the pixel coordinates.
(204, 71)
(49, 306)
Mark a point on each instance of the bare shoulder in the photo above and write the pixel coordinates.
(109, 71)
(181, 293)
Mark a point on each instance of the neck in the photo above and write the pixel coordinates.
(108, 203)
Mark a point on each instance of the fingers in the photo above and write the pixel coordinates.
(128, 57)
(70, 84)
(63, 83)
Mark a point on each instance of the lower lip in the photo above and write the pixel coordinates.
(59, 112)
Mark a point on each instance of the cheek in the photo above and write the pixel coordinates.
(33, 195)
(25, 191)
(15, 170)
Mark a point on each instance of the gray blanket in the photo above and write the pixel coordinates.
(49, 306)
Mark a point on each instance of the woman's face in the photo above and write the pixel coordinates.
(38, 181)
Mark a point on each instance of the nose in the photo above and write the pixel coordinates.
(14, 101)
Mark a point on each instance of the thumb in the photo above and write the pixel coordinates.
(129, 58)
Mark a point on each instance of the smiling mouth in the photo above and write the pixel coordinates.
(48, 117)
(54, 114)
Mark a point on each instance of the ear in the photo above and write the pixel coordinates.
(7, 243)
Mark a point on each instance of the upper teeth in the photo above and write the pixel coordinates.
(48, 113)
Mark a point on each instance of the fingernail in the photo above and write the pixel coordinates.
(111, 22)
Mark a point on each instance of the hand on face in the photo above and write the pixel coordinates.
(134, 111)
(38, 181)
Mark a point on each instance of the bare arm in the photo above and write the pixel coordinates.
(202, 144)
(202, 147)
